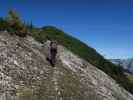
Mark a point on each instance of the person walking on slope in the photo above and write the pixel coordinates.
(53, 52)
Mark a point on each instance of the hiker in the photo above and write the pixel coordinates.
(53, 52)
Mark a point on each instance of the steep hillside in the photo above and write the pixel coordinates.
(15, 26)
(84, 51)
(25, 74)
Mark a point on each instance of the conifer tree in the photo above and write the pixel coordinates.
(14, 20)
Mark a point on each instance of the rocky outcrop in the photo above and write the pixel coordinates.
(25, 74)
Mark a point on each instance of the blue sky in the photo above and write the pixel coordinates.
(106, 25)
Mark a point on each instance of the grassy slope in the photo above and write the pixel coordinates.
(84, 51)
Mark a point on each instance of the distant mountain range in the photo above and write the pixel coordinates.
(126, 63)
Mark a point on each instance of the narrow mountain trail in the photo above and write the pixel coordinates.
(56, 83)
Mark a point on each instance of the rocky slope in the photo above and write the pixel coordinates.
(25, 74)
(127, 64)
